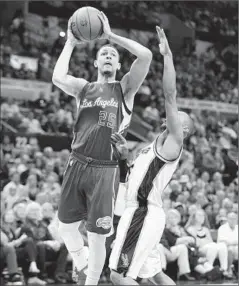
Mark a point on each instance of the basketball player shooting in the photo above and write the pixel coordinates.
(91, 175)
(140, 228)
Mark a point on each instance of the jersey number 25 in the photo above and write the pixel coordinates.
(107, 119)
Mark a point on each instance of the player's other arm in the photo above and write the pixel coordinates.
(69, 84)
(140, 67)
(173, 123)
(174, 126)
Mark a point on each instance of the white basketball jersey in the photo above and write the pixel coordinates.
(149, 177)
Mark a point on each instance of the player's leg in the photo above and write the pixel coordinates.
(138, 233)
(74, 243)
(72, 209)
(152, 268)
(116, 262)
(161, 278)
(100, 194)
(96, 260)
(149, 238)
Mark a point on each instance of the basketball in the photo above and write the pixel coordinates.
(86, 25)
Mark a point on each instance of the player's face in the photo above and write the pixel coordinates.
(108, 61)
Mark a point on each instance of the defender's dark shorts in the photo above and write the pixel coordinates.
(88, 192)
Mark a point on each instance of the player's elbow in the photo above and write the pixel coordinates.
(56, 80)
(147, 55)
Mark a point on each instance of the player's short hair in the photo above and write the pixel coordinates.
(107, 45)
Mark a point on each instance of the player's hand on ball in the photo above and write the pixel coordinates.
(70, 36)
(106, 26)
(163, 42)
(121, 144)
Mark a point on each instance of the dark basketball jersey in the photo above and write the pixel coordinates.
(102, 111)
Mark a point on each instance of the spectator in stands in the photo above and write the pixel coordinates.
(19, 209)
(167, 205)
(40, 102)
(8, 258)
(9, 108)
(7, 145)
(60, 256)
(230, 169)
(32, 124)
(13, 190)
(227, 204)
(221, 218)
(201, 199)
(37, 229)
(192, 209)
(209, 214)
(175, 190)
(173, 236)
(177, 253)
(228, 234)
(23, 246)
(209, 163)
(22, 73)
(198, 227)
(18, 25)
(151, 114)
(181, 208)
(31, 187)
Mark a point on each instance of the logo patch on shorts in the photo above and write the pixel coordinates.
(124, 260)
(104, 222)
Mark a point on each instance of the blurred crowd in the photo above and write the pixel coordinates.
(200, 201)
(207, 17)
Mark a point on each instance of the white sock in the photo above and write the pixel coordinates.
(97, 254)
(74, 243)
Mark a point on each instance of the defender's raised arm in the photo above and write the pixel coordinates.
(174, 125)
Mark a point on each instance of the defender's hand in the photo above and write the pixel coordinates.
(106, 26)
(121, 145)
(163, 42)
(70, 36)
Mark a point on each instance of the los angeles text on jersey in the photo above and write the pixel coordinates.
(99, 102)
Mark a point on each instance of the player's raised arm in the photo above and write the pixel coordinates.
(69, 84)
(174, 125)
(140, 67)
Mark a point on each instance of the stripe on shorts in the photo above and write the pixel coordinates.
(137, 222)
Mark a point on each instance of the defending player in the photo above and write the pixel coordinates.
(134, 253)
(90, 179)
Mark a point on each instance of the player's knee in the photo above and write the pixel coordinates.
(67, 227)
(70, 232)
(99, 238)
